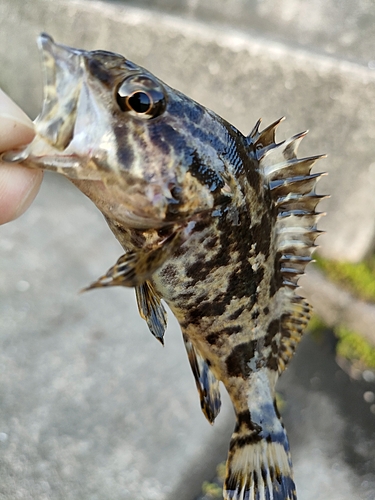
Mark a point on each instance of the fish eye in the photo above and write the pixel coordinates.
(141, 96)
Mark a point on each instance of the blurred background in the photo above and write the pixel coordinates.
(91, 406)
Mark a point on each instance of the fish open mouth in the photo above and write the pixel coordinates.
(62, 78)
(54, 127)
(71, 122)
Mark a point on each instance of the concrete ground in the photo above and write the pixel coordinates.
(91, 406)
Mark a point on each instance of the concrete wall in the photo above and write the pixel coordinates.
(342, 28)
(241, 75)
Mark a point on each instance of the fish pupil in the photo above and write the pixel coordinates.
(140, 102)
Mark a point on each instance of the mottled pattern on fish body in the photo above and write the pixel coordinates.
(219, 225)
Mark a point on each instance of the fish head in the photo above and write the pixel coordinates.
(121, 135)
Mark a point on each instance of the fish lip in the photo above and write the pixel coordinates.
(46, 42)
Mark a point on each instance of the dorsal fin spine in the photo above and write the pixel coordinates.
(255, 132)
(292, 188)
(267, 136)
(296, 166)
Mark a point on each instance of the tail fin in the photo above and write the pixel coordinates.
(259, 465)
(258, 470)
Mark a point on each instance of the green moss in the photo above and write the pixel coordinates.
(355, 348)
(357, 278)
(221, 471)
(280, 402)
(316, 324)
(212, 490)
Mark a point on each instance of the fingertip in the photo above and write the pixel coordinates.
(18, 188)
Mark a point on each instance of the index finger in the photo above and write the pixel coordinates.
(18, 185)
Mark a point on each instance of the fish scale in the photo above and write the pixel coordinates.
(218, 225)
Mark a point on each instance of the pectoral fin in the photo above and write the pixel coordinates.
(123, 273)
(132, 269)
(151, 309)
(206, 382)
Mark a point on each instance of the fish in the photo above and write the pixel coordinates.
(218, 225)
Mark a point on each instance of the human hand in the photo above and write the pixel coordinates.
(18, 185)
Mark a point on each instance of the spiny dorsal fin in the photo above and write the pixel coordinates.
(151, 310)
(279, 153)
(287, 167)
(292, 187)
(265, 138)
(206, 382)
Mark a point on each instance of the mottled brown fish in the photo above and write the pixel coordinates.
(218, 225)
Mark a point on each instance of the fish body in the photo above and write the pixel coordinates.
(217, 224)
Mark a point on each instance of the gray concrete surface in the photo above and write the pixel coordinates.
(91, 406)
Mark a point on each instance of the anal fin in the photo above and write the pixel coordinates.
(151, 309)
(206, 382)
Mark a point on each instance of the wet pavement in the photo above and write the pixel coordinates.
(330, 418)
(330, 424)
